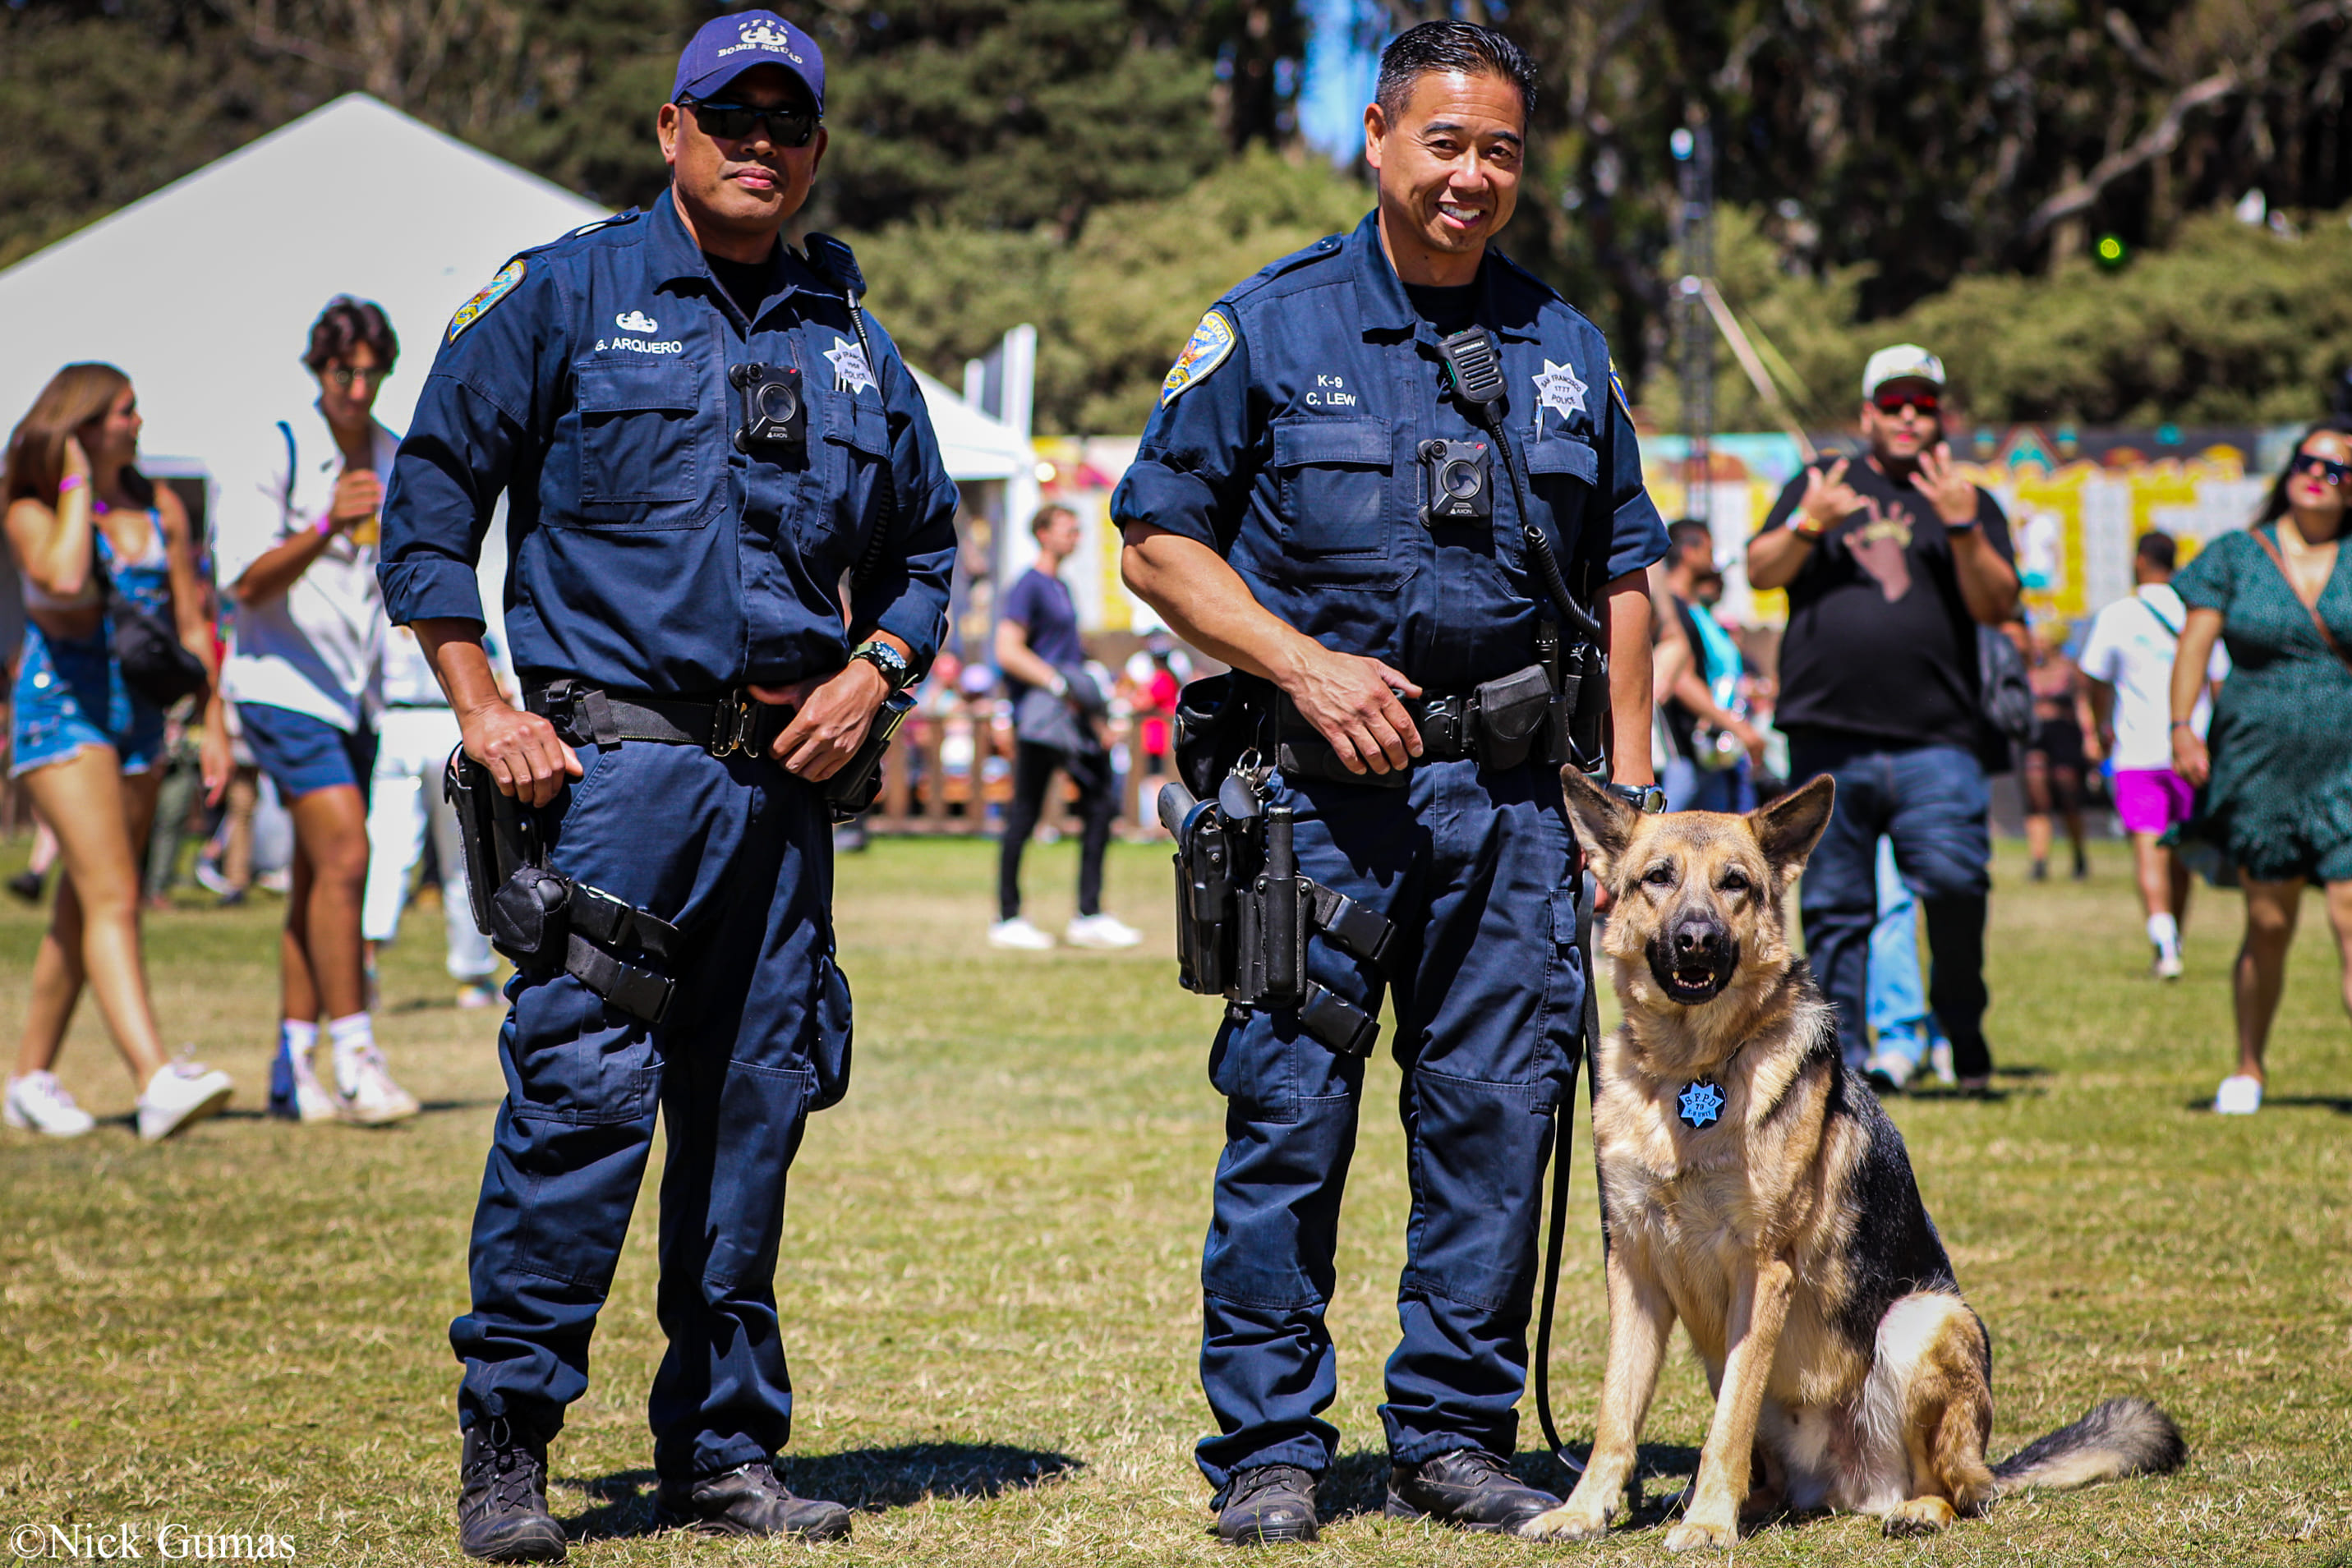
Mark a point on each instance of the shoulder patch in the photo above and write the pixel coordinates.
(1210, 342)
(496, 289)
(1617, 390)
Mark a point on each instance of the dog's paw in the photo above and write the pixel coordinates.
(1701, 1535)
(1569, 1522)
(1919, 1516)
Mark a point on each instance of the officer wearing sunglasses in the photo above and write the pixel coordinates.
(699, 435)
(1891, 562)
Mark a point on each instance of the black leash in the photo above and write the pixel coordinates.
(1563, 1130)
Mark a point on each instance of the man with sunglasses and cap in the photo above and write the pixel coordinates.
(1891, 563)
(700, 435)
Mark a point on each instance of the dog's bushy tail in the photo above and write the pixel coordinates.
(2121, 1438)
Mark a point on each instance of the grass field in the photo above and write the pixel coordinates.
(990, 1284)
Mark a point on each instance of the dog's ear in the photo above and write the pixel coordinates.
(1789, 828)
(1603, 823)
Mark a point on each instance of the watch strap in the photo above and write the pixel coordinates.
(891, 662)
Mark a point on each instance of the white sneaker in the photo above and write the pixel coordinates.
(1017, 933)
(313, 1101)
(2239, 1095)
(2167, 964)
(376, 1099)
(178, 1096)
(37, 1103)
(477, 994)
(1939, 1062)
(1888, 1071)
(1101, 931)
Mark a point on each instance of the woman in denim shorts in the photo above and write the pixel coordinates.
(78, 514)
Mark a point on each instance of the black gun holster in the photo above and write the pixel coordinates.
(1245, 916)
(547, 922)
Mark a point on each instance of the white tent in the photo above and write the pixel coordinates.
(206, 291)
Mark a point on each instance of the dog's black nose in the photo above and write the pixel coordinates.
(1700, 939)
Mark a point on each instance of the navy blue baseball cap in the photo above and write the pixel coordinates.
(725, 46)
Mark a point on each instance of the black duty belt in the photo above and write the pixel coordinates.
(588, 715)
(1499, 722)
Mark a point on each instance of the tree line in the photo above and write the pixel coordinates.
(1103, 168)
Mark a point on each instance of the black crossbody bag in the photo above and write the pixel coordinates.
(155, 664)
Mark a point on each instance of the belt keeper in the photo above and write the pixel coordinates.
(601, 726)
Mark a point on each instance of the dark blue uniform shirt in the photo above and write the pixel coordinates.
(1293, 455)
(644, 553)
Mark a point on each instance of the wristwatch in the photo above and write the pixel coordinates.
(886, 659)
(1646, 798)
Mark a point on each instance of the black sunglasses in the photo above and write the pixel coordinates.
(786, 126)
(1895, 403)
(2327, 469)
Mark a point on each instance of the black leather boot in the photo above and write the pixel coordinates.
(751, 1499)
(1467, 1487)
(502, 1499)
(1267, 1503)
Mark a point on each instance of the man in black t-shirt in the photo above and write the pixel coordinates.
(1891, 563)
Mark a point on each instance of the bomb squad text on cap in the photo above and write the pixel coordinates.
(725, 46)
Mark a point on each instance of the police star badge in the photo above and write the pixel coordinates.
(1701, 1104)
(1560, 389)
(1211, 341)
(851, 373)
(496, 289)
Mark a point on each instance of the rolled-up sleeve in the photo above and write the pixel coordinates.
(1193, 466)
(459, 454)
(907, 592)
(1637, 535)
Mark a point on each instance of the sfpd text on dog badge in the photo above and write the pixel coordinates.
(1701, 1104)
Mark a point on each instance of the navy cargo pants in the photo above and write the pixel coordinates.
(1473, 868)
(738, 853)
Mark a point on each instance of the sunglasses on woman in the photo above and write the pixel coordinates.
(787, 127)
(2327, 468)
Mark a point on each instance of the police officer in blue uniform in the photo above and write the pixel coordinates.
(699, 436)
(1274, 515)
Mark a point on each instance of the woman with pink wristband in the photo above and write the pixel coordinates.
(82, 519)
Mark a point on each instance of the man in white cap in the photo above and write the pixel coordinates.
(1891, 562)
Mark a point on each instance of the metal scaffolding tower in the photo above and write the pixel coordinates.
(1694, 150)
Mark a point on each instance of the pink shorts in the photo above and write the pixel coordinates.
(2152, 799)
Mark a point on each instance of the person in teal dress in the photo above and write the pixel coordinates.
(2274, 772)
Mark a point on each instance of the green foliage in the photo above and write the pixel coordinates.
(1113, 307)
(996, 115)
(2232, 324)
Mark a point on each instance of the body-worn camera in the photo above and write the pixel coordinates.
(775, 419)
(1459, 477)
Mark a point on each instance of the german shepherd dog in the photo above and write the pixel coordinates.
(1752, 1188)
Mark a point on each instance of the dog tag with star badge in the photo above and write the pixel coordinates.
(1701, 1104)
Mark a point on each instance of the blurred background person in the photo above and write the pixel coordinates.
(1891, 562)
(1903, 1033)
(418, 732)
(2276, 774)
(297, 552)
(1058, 712)
(81, 517)
(2127, 662)
(27, 884)
(2053, 760)
(1703, 711)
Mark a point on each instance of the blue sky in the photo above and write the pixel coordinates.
(1338, 79)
